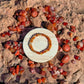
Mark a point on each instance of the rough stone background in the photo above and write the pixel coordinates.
(72, 10)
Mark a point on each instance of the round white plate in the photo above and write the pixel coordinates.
(40, 43)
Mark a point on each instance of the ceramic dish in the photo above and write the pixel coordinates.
(40, 45)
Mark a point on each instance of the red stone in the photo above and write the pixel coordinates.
(17, 69)
(65, 23)
(39, 81)
(20, 57)
(22, 23)
(72, 28)
(66, 41)
(73, 61)
(65, 59)
(34, 14)
(47, 8)
(17, 53)
(77, 57)
(64, 73)
(3, 35)
(52, 21)
(82, 48)
(21, 19)
(70, 34)
(66, 47)
(61, 64)
(7, 33)
(43, 79)
(78, 46)
(75, 38)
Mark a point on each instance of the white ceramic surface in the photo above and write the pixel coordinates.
(39, 44)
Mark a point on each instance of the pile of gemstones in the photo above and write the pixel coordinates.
(15, 70)
(23, 18)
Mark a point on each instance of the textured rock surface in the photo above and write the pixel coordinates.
(72, 10)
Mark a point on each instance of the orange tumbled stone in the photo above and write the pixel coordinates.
(21, 19)
(17, 69)
(32, 65)
(43, 79)
(34, 14)
(65, 59)
(66, 47)
(39, 80)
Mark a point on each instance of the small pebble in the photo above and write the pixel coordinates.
(77, 57)
(66, 47)
(73, 61)
(66, 59)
